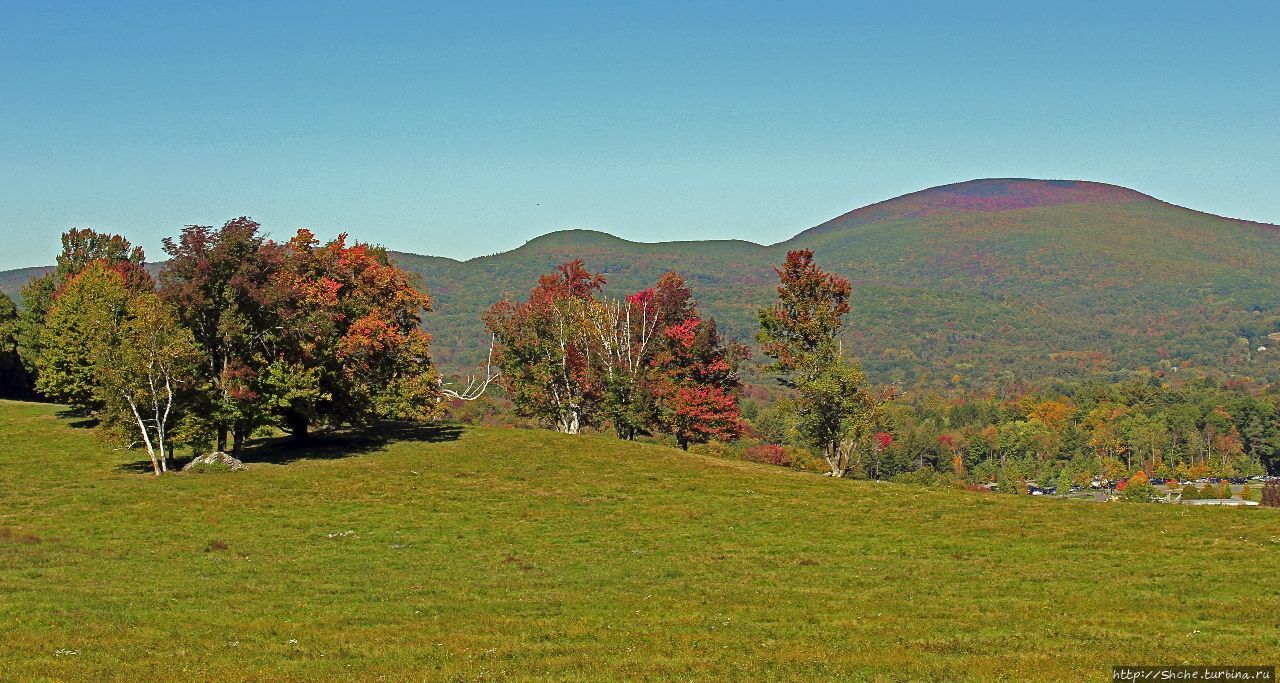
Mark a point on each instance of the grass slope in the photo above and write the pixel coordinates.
(480, 554)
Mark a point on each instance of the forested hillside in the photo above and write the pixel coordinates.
(958, 285)
(961, 285)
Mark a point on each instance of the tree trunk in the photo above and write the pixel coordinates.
(222, 439)
(237, 442)
(683, 441)
(569, 424)
(299, 426)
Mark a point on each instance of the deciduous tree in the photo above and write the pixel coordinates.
(81, 247)
(144, 378)
(82, 325)
(800, 332)
(549, 359)
(347, 346)
(216, 281)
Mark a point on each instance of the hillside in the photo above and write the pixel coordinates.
(445, 553)
(971, 283)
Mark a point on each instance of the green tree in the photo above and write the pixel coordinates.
(15, 381)
(82, 325)
(81, 247)
(836, 411)
(145, 377)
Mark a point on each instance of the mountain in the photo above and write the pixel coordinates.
(970, 283)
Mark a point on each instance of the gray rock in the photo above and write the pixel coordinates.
(216, 459)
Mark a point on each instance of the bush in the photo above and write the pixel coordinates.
(1138, 492)
(923, 476)
(1246, 493)
(805, 461)
(1138, 489)
(1190, 492)
(715, 449)
(1064, 483)
(768, 454)
(1271, 494)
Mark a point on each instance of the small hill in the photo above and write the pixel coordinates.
(443, 553)
(12, 281)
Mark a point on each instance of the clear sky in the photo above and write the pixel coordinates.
(467, 129)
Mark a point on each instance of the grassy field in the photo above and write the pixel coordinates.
(469, 554)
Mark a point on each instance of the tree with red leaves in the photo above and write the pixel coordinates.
(696, 382)
(216, 281)
(632, 335)
(571, 359)
(549, 359)
(836, 411)
(347, 346)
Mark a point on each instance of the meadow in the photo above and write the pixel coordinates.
(447, 553)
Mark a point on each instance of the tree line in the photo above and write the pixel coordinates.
(238, 334)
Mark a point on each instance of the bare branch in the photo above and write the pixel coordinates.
(476, 387)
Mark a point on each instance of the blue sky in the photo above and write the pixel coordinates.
(463, 130)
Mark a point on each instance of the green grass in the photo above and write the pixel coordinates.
(503, 554)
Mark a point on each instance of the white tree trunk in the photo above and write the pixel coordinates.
(146, 436)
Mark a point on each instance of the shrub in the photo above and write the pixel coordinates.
(1138, 489)
(1271, 494)
(1190, 492)
(1064, 483)
(924, 476)
(1138, 492)
(1011, 483)
(806, 461)
(1246, 493)
(715, 449)
(769, 454)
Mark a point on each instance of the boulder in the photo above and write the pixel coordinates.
(216, 459)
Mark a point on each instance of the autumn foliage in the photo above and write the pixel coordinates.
(571, 358)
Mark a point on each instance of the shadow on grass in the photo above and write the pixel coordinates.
(78, 419)
(326, 446)
(345, 444)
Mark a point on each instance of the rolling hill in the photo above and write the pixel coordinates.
(967, 284)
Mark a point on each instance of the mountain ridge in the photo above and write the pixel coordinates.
(968, 283)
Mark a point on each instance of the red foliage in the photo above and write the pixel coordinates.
(810, 310)
(768, 454)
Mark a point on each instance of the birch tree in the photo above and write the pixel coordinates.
(548, 357)
(143, 379)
